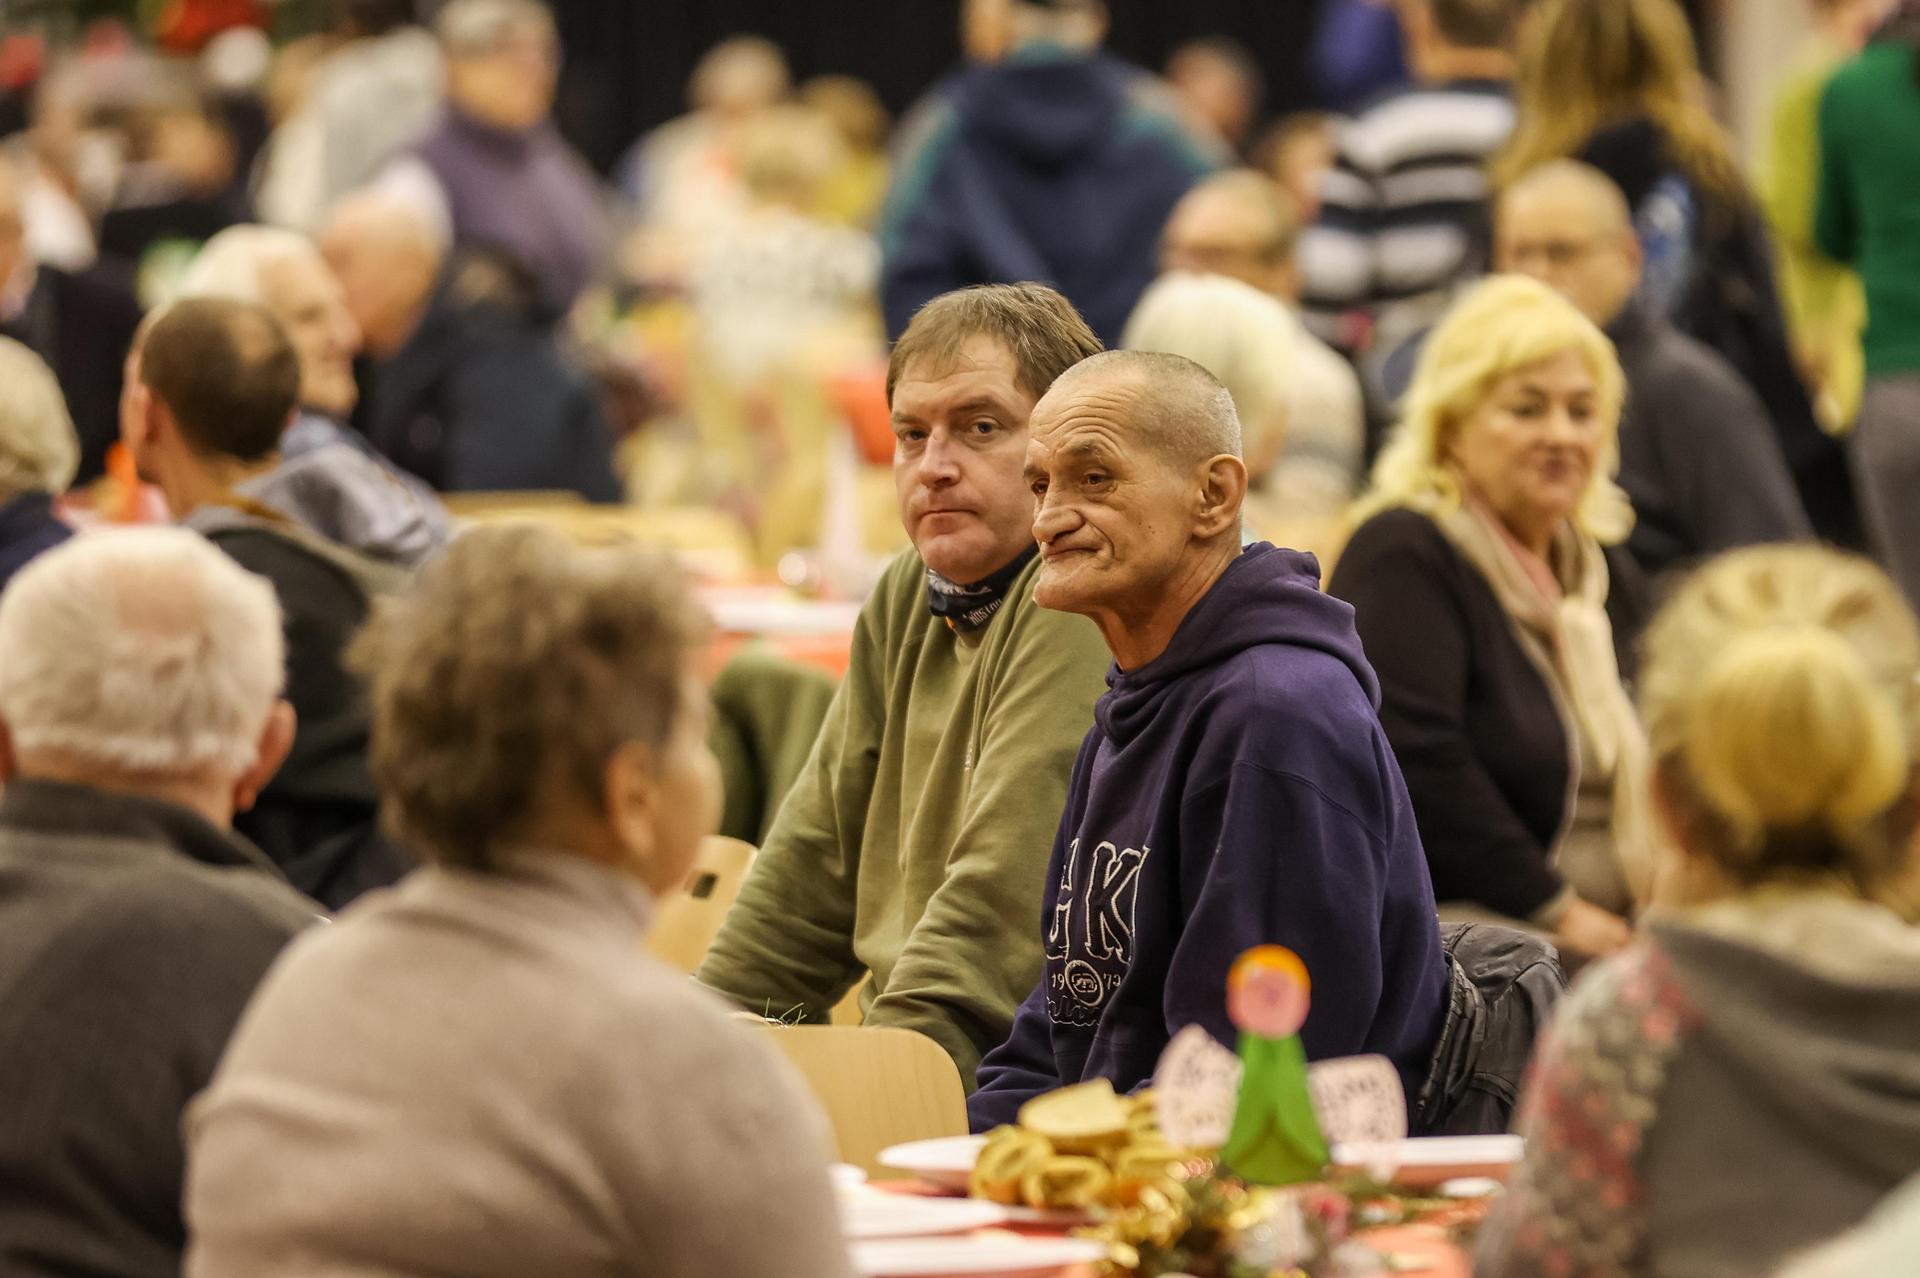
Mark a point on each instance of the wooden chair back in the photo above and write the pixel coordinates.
(879, 1086)
(686, 922)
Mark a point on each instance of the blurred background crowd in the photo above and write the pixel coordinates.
(654, 253)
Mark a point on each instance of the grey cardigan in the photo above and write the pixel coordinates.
(482, 1076)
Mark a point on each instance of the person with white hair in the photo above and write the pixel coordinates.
(38, 455)
(140, 674)
(329, 478)
(1302, 459)
(466, 389)
(493, 170)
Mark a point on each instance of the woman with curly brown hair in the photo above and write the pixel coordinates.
(478, 1073)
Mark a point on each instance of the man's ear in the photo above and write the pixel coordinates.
(276, 739)
(1222, 491)
(632, 798)
(136, 414)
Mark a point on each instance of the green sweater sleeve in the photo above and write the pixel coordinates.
(1836, 225)
(975, 953)
(787, 943)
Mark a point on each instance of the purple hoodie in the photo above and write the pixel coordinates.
(1235, 791)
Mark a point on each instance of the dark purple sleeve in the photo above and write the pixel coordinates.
(1019, 1069)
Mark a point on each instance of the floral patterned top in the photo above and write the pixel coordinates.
(1575, 1205)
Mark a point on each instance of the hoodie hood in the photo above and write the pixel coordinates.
(1268, 596)
(1046, 105)
(1809, 1000)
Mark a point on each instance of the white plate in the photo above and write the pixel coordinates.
(946, 1162)
(1431, 1160)
(1006, 1256)
(869, 1213)
(846, 1175)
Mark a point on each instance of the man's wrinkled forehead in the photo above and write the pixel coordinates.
(1099, 409)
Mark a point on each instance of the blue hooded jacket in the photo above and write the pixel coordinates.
(1049, 166)
(1235, 791)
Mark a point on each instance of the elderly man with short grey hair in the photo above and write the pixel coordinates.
(328, 477)
(1236, 789)
(140, 708)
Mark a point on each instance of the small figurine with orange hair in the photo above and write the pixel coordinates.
(1275, 1138)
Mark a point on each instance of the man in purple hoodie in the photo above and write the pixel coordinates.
(1236, 788)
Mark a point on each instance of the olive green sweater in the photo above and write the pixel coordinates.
(1870, 196)
(914, 843)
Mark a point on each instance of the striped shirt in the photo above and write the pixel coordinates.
(1403, 213)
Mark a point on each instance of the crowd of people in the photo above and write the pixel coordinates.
(1467, 540)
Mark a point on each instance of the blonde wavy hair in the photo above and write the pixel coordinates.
(1585, 64)
(1781, 706)
(39, 451)
(1499, 326)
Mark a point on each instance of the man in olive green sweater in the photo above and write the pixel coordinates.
(914, 842)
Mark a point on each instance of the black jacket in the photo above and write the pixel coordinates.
(318, 819)
(1472, 723)
(132, 933)
(1703, 470)
(482, 399)
(1729, 301)
(82, 325)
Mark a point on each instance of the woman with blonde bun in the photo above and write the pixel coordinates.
(1744, 1080)
(1487, 582)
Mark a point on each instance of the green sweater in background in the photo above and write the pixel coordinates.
(914, 843)
(1870, 196)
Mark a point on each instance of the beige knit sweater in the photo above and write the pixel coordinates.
(481, 1076)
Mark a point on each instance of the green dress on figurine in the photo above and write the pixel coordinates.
(1275, 1138)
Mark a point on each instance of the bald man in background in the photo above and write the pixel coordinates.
(1236, 788)
(467, 386)
(1698, 454)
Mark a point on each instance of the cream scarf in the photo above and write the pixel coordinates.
(1567, 636)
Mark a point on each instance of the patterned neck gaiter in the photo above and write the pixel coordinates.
(968, 608)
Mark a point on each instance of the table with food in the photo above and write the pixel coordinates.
(1252, 1164)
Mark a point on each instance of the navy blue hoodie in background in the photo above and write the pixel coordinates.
(1049, 166)
(1237, 790)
